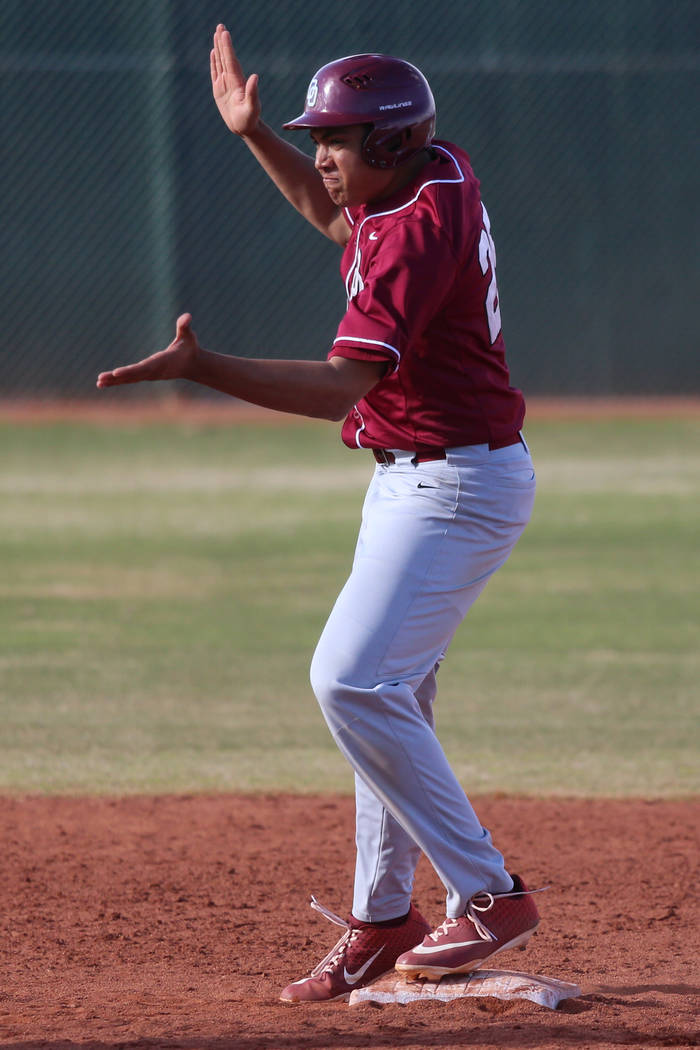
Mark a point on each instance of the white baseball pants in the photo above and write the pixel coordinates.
(431, 536)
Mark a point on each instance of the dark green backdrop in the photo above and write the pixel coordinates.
(126, 201)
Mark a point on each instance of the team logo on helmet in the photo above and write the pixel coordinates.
(312, 93)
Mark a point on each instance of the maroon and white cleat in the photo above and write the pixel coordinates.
(363, 953)
(492, 923)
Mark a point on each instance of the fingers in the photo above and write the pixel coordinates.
(251, 88)
(217, 66)
(166, 364)
(182, 327)
(157, 366)
(225, 48)
(121, 376)
(226, 55)
(150, 369)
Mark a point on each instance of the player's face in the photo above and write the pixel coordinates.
(349, 180)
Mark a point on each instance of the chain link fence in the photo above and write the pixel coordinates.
(126, 200)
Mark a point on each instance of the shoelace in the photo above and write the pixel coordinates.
(473, 909)
(338, 950)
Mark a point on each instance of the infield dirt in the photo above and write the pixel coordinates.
(180, 407)
(173, 922)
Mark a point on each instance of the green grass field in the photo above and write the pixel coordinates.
(163, 587)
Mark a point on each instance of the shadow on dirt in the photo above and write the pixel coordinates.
(322, 1037)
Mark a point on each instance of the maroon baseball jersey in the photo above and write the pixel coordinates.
(420, 276)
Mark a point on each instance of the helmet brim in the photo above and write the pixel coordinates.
(323, 120)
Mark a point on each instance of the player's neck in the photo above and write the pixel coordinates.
(403, 176)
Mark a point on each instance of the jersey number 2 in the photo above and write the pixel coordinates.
(487, 257)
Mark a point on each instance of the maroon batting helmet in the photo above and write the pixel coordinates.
(389, 94)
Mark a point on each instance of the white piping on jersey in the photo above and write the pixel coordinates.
(375, 342)
(359, 429)
(394, 211)
(356, 261)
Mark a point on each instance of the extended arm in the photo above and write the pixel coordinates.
(321, 389)
(292, 171)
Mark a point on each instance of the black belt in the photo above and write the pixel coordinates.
(425, 455)
(382, 455)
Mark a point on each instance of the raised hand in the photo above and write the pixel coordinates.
(236, 98)
(177, 361)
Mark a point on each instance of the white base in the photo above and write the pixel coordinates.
(502, 984)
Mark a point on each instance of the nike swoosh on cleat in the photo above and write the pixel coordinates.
(353, 978)
(429, 949)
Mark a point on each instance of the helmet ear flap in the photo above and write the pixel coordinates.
(399, 141)
(389, 147)
(380, 148)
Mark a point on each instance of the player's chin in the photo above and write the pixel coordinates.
(336, 192)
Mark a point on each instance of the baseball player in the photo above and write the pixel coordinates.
(417, 372)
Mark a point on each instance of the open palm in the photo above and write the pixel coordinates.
(236, 98)
(175, 362)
